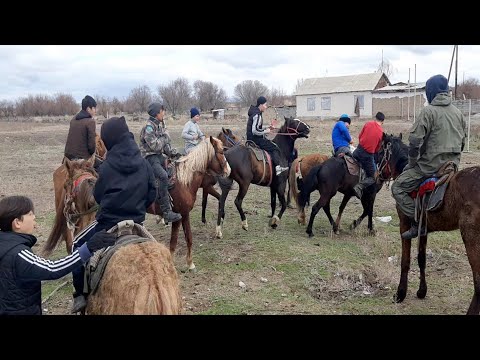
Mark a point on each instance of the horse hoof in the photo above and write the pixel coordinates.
(372, 232)
(218, 232)
(353, 225)
(204, 221)
(273, 221)
(245, 225)
(192, 268)
(399, 296)
(310, 233)
(337, 232)
(421, 293)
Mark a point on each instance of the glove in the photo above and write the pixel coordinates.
(101, 240)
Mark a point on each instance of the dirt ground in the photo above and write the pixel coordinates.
(284, 271)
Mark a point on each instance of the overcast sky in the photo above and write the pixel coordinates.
(115, 70)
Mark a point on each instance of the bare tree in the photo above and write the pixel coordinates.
(208, 96)
(7, 108)
(386, 67)
(248, 91)
(299, 83)
(470, 89)
(116, 106)
(65, 104)
(277, 97)
(176, 95)
(103, 105)
(139, 99)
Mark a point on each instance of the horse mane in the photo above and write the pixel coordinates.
(399, 153)
(196, 160)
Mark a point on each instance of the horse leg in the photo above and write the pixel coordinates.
(221, 212)
(368, 205)
(273, 200)
(281, 196)
(422, 259)
(365, 212)
(315, 209)
(208, 190)
(188, 238)
(470, 234)
(405, 263)
(289, 200)
(345, 200)
(174, 236)
(326, 209)
(238, 203)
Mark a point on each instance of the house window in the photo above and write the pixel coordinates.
(326, 103)
(310, 104)
(360, 101)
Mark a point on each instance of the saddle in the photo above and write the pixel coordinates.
(430, 193)
(127, 232)
(263, 156)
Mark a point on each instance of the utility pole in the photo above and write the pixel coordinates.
(456, 72)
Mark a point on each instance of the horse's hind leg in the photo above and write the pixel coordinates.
(221, 210)
(405, 263)
(238, 203)
(174, 236)
(326, 209)
(273, 200)
(422, 259)
(324, 199)
(471, 235)
(188, 238)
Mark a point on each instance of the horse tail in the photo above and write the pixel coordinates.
(310, 184)
(292, 181)
(58, 232)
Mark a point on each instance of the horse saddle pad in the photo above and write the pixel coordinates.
(437, 186)
(259, 153)
(127, 233)
(352, 165)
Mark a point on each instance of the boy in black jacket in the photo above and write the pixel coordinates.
(21, 271)
(125, 188)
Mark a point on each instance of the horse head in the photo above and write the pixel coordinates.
(392, 157)
(295, 128)
(218, 164)
(228, 138)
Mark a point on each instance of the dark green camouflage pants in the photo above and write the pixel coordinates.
(403, 185)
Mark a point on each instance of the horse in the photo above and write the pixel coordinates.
(303, 165)
(228, 139)
(190, 172)
(140, 278)
(60, 176)
(247, 169)
(329, 177)
(460, 210)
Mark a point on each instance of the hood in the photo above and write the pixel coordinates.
(253, 110)
(10, 239)
(435, 85)
(442, 99)
(83, 114)
(125, 156)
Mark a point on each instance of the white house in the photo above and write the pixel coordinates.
(333, 96)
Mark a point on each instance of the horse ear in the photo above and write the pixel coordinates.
(230, 132)
(384, 136)
(212, 141)
(223, 130)
(68, 164)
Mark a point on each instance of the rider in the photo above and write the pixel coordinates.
(369, 142)
(436, 137)
(124, 189)
(81, 134)
(256, 133)
(341, 138)
(191, 131)
(154, 142)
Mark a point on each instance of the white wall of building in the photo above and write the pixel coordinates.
(340, 103)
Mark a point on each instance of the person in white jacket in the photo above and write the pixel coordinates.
(191, 131)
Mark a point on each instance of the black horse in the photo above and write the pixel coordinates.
(332, 176)
(246, 169)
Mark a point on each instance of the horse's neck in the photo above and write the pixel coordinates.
(285, 144)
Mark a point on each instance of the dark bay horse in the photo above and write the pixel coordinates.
(460, 210)
(191, 169)
(246, 169)
(139, 279)
(228, 139)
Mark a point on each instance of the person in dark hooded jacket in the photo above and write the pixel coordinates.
(22, 271)
(256, 132)
(436, 137)
(125, 188)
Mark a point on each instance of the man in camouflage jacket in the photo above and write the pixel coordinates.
(154, 143)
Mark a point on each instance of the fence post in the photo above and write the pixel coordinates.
(469, 115)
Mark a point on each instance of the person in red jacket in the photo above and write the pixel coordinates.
(369, 142)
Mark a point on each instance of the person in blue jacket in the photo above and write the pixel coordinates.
(341, 138)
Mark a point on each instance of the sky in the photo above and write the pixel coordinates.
(115, 70)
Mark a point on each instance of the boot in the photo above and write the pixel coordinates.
(279, 169)
(79, 303)
(413, 232)
(358, 190)
(166, 207)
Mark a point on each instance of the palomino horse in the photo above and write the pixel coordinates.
(304, 165)
(60, 176)
(140, 278)
(460, 210)
(191, 170)
(228, 139)
(247, 169)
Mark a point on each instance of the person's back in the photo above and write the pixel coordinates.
(341, 138)
(80, 142)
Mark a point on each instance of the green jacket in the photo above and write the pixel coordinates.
(437, 136)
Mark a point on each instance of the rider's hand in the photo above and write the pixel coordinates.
(267, 130)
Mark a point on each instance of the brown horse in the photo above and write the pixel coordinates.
(60, 176)
(246, 169)
(191, 170)
(228, 139)
(460, 210)
(304, 164)
(140, 278)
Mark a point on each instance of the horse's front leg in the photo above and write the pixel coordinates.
(345, 200)
(273, 200)
(188, 238)
(221, 211)
(280, 191)
(174, 236)
(238, 203)
(208, 190)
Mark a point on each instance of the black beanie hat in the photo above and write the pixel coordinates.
(261, 100)
(380, 116)
(154, 109)
(112, 130)
(88, 102)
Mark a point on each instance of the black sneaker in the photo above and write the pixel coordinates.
(411, 233)
(79, 304)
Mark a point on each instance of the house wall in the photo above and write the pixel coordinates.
(341, 103)
(398, 104)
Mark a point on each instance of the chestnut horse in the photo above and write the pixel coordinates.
(140, 278)
(460, 210)
(191, 170)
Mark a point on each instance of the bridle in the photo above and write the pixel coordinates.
(293, 132)
(385, 164)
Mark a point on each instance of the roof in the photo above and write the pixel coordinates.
(340, 84)
(402, 88)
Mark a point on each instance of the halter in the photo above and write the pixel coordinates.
(294, 131)
(70, 211)
(230, 140)
(385, 163)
